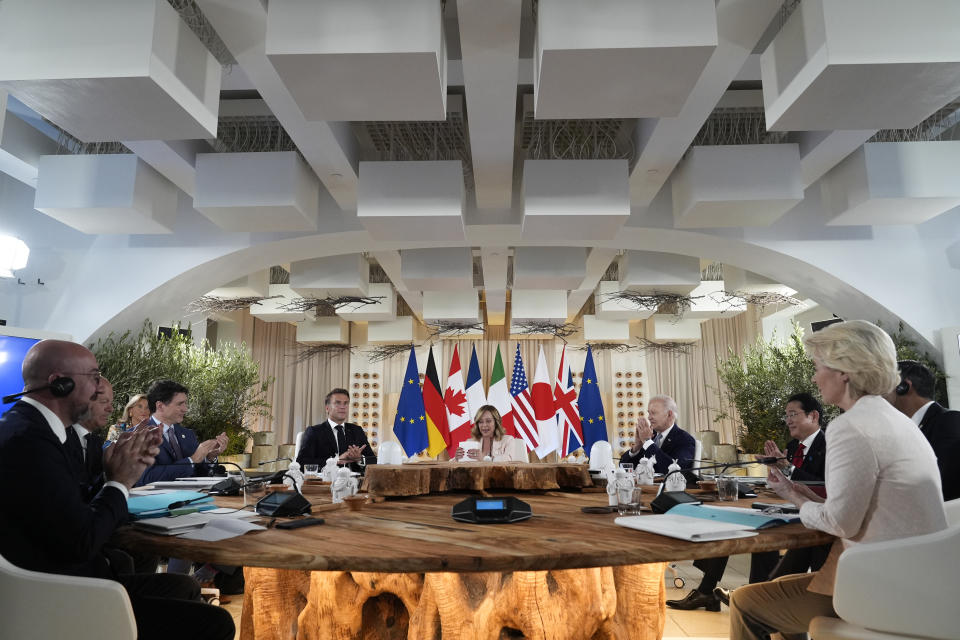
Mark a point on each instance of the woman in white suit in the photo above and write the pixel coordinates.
(489, 439)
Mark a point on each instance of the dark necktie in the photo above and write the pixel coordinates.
(73, 446)
(658, 440)
(172, 439)
(341, 440)
(798, 456)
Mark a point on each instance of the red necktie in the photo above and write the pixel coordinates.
(798, 456)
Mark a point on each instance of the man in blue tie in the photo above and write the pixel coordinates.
(659, 437)
(181, 455)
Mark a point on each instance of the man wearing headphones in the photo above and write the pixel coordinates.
(914, 398)
(51, 526)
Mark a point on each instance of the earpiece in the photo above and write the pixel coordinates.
(61, 387)
(903, 388)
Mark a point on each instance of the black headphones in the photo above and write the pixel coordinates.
(59, 387)
(903, 388)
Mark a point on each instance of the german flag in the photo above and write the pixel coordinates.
(438, 432)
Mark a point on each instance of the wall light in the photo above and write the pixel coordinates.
(13, 255)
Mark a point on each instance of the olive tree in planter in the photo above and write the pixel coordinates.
(758, 383)
(225, 387)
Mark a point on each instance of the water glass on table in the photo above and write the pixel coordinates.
(311, 470)
(629, 501)
(727, 488)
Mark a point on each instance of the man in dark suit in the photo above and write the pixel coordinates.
(659, 437)
(85, 446)
(805, 458)
(336, 438)
(914, 398)
(181, 454)
(51, 526)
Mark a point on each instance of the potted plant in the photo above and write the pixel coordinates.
(225, 387)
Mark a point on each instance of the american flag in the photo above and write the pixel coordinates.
(524, 419)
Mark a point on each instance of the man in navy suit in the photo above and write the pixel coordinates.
(941, 426)
(335, 437)
(51, 526)
(659, 437)
(181, 455)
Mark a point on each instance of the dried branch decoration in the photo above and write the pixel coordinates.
(308, 352)
(677, 302)
(381, 352)
(617, 347)
(560, 330)
(213, 304)
(452, 328)
(764, 299)
(329, 305)
(675, 348)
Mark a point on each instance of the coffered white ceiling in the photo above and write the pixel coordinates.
(483, 146)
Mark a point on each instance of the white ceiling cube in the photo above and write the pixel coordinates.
(411, 200)
(21, 146)
(549, 267)
(609, 308)
(667, 328)
(254, 285)
(323, 330)
(386, 331)
(257, 192)
(588, 199)
(449, 269)
(360, 59)
(893, 183)
(384, 309)
(346, 275)
(656, 272)
(743, 281)
(106, 70)
(538, 305)
(710, 300)
(736, 185)
(451, 306)
(597, 329)
(271, 309)
(861, 64)
(600, 59)
(108, 194)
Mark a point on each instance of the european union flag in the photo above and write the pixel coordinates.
(590, 405)
(410, 425)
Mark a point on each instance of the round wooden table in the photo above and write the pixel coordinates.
(403, 568)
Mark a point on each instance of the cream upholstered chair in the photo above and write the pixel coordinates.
(296, 445)
(903, 588)
(698, 453)
(389, 453)
(601, 456)
(48, 605)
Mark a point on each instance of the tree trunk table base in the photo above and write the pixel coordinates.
(622, 603)
(396, 480)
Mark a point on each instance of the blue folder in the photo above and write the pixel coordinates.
(156, 506)
(752, 520)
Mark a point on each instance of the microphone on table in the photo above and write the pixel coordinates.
(277, 476)
(666, 500)
(229, 486)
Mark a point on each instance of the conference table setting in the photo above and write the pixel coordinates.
(445, 550)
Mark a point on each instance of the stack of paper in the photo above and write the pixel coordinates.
(699, 523)
(223, 521)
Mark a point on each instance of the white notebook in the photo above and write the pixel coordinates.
(686, 528)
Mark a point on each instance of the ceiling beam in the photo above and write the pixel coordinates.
(390, 263)
(598, 261)
(330, 148)
(662, 142)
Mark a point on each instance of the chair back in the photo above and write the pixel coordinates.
(389, 453)
(952, 507)
(48, 605)
(601, 456)
(698, 453)
(296, 446)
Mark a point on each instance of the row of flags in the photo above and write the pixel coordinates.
(548, 417)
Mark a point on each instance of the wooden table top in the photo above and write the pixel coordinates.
(417, 534)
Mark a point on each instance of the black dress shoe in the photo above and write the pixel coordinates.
(723, 595)
(695, 600)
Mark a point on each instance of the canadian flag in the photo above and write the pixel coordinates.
(455, 400)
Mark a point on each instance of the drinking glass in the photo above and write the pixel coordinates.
(727, 488)
(253, 491)
(311, 470)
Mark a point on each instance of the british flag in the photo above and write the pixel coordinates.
(524, 418)
(565, 400)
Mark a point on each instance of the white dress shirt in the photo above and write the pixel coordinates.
(920, 413)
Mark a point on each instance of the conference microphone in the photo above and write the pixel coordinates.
(229, 486)
(260, 464)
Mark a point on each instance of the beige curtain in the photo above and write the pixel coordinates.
(298, 389)
(691, 378)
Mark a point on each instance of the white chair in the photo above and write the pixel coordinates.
(903, 588)
(697, 454)
(48, 605)
(520, 450)
(389, 453)
(296, 446)
(601, 457)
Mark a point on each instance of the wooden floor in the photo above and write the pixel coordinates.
(680, 624)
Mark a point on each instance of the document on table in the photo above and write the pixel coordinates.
(221, 529)
(686, 528)
(176, 525)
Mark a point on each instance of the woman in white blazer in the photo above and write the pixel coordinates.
(490, 440)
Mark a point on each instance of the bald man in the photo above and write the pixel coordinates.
(51, 526)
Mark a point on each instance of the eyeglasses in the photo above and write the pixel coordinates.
(97, 376)
(793, 414)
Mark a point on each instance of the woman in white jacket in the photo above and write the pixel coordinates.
(490, 440)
